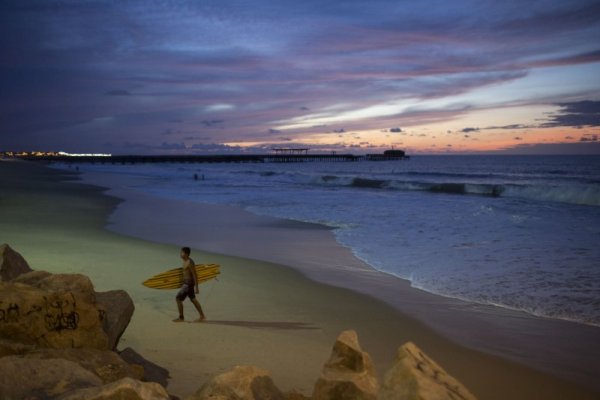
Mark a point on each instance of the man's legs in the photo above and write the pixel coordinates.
(199, 308)
(188, 291)
(179, 298)
(180, 308)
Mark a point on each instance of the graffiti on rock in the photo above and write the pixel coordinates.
(59, 312)
(10, 313)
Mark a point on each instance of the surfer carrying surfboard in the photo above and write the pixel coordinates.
(189, 287)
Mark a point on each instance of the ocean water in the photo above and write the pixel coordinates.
(521, 232)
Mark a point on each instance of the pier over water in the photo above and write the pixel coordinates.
(278, 156)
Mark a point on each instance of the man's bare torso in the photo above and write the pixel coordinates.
(188, 277)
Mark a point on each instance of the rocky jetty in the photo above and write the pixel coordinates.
(347, 375)
(58, 340)
(58, 336)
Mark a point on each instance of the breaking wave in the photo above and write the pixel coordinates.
(582, 194)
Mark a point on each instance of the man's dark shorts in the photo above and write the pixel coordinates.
(187, 290)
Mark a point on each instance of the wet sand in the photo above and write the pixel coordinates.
(261, 312)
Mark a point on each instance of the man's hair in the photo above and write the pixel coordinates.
(186, 250)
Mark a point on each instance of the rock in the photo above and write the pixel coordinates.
(22, 378)
(55, 336)
(125, 389)
(50, 319)
(241, 383)
(416, 376)
(11, 348)
(152, 372)
(116, 306)
(69, 283)
(295, 396)
(349, 373)
(119, 309)
(12, 264)
(105, 364)
(32, 278)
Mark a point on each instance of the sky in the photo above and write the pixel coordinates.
(357, 76)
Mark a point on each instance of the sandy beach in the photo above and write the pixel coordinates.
(286, 291)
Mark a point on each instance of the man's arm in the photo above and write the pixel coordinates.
(192, 268)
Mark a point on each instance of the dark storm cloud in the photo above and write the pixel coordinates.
(574, 114)
(512, 126)
(581, 113)
(586, 107)
(589, 148)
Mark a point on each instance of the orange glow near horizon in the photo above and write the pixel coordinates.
(476, 131)
(425, 140)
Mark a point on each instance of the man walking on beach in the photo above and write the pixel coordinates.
(190, 286)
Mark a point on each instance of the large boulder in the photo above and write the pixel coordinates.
(152, 372)
(105, 364)
(414, 376)
(119, 309)
(349, 373)
(68, 283)
(241, 383)
(12, 264)
(22, 378)
(44, 318)
(124, 389)
(116, 306)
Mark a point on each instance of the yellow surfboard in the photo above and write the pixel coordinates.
(173, 278)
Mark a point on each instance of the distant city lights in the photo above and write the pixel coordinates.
(62, 153)
(28, 154)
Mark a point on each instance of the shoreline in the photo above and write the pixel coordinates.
(318, 311)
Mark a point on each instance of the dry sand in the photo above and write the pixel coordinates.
(259, 313)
